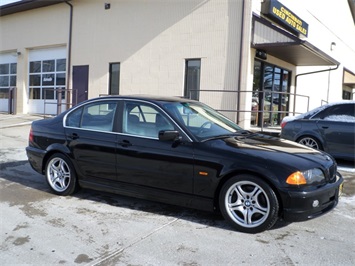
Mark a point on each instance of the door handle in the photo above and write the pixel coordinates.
(73, 136)
(325, 127)
(125, 143)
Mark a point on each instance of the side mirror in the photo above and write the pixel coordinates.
(169, 135)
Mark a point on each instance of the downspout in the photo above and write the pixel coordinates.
(240, 62)
(69, 53)
(309, 73)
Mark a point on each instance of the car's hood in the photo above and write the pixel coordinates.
(273, 148)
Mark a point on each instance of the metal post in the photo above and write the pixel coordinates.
(12, 101)
(59, 101)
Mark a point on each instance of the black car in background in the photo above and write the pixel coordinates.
(330, 128)
(182, 152)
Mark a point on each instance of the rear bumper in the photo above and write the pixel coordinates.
(35, 157)
(304, 205)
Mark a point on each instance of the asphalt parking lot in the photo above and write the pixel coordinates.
(92, 228)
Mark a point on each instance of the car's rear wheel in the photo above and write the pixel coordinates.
(60, 175)
(249, 204)
(310, 142)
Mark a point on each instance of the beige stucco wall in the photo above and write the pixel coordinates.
(152, 39)
(33, 29)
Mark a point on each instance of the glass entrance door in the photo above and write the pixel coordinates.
(270, 94)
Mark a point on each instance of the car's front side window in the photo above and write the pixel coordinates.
(202, 121)
(142, 119)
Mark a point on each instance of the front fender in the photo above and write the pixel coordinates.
(264, 169)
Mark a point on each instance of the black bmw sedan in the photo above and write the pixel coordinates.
(182, 152)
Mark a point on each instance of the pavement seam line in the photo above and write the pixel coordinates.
(17, 125)
(115, 253)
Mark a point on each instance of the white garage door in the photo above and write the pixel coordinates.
(46, 78)
(8, 72)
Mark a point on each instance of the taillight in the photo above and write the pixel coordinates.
(30, 136)
(283, 124)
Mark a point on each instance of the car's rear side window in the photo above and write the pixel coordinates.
(341, 112)
(96, 116)
(73, 119)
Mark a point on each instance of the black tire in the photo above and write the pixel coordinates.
(249, 204)
(60, 175)
(310, 141)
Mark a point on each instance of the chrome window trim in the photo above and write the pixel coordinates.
(121, 133)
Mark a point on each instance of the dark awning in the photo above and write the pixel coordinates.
(24, 5)
(286, 46)
(352, 8)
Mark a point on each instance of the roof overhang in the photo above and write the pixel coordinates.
(286, 46)
(349, 78)
(25, 5)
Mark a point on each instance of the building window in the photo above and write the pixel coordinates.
(346, 95)
(7, 79)
(114, 88)
(192, 78)
(45, 77)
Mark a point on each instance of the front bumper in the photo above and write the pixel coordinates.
(303, 205)
(35, 157)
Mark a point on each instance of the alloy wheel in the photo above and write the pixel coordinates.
(247, 204)
(58, 174)
(310, 142)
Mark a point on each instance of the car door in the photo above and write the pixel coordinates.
(337, 126)
(142, 159)
(91, 140)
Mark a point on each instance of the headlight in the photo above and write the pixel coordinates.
(308, 177)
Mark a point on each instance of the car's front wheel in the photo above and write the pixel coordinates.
(60, 175)
(249, 204)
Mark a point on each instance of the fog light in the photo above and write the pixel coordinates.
(315, 203)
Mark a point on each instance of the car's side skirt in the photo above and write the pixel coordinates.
(153, 194)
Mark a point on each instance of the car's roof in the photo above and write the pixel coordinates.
(153, 98)
(159, 100)
(323, 107)
(315, 111)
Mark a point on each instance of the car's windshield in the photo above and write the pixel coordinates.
(202, 121)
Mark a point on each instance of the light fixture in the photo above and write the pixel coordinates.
(16, 54)
(261, 54)
(332, 46)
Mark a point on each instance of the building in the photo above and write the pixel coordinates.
(253, 60)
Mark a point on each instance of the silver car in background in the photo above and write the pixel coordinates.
(330, 128)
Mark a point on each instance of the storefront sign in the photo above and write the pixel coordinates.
(279, 13)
